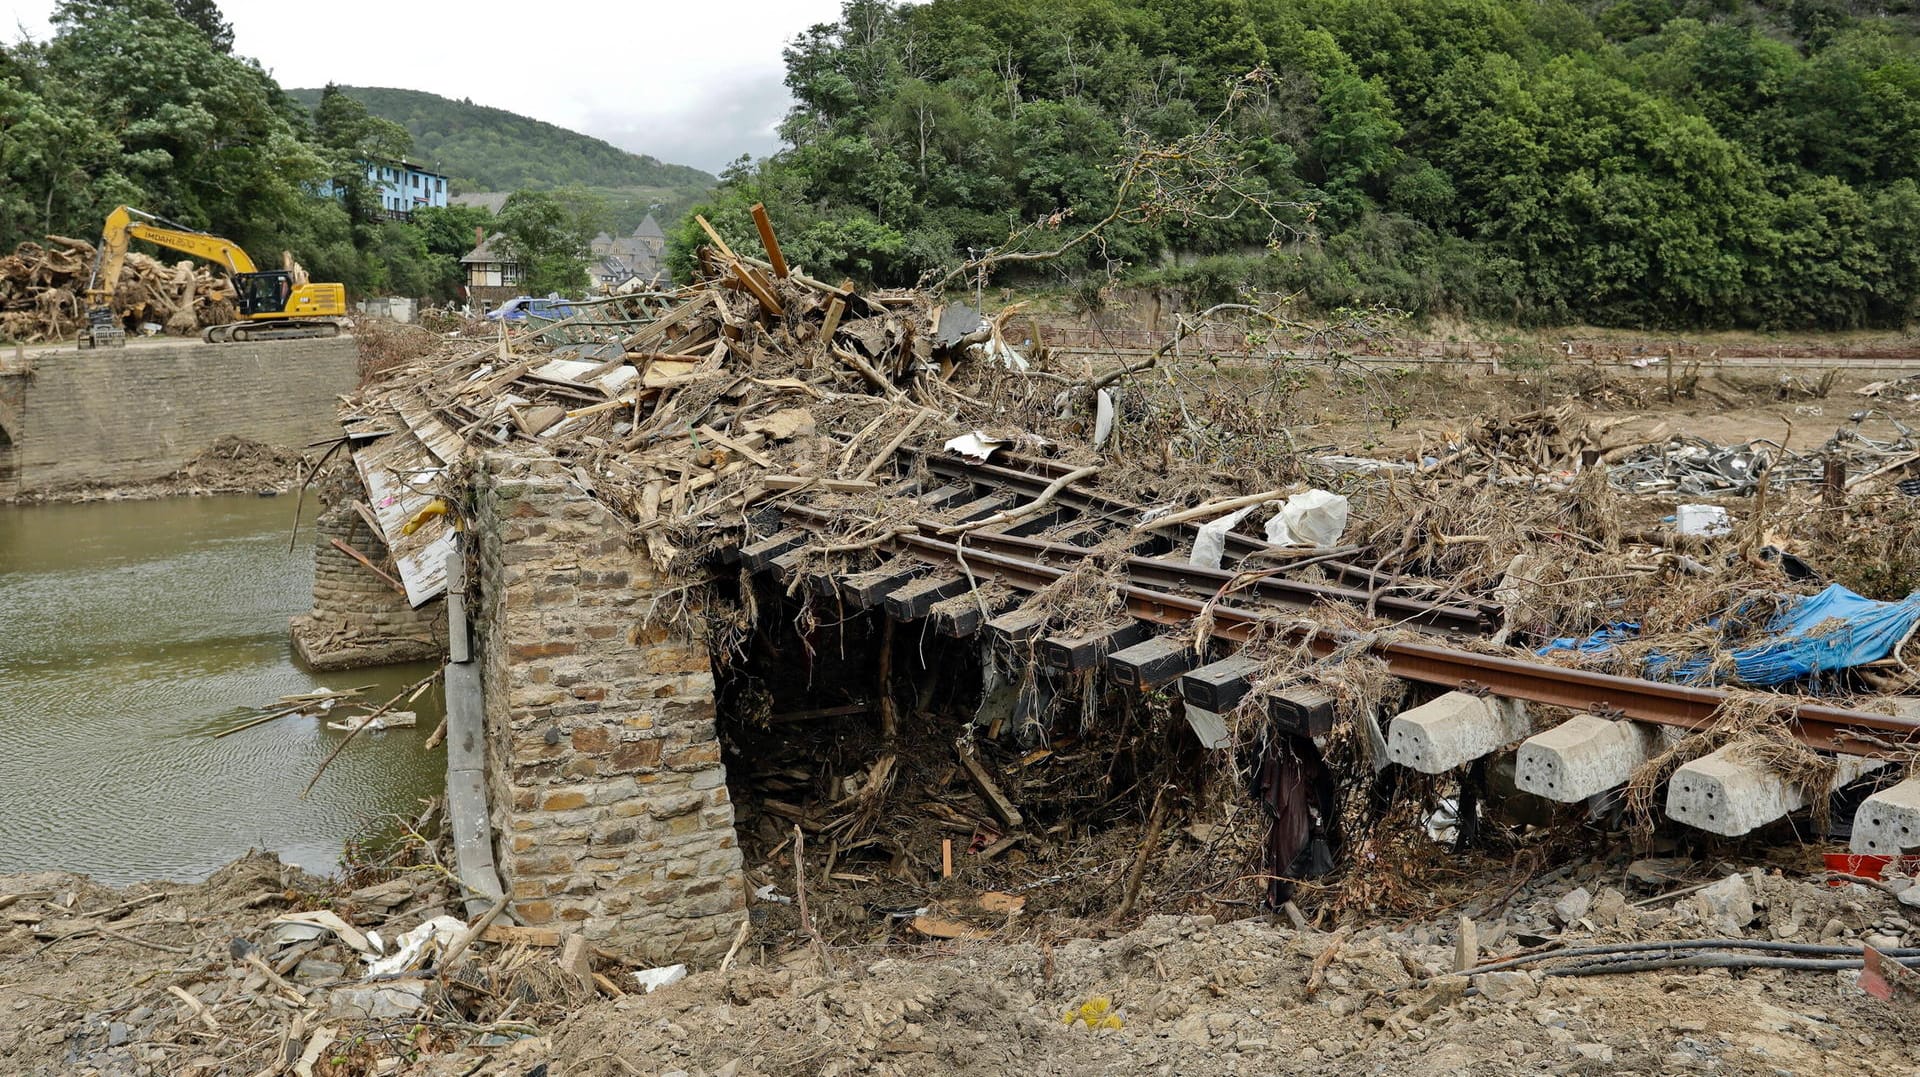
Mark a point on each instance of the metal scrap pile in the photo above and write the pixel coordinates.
(1695, 466)
(43, 293)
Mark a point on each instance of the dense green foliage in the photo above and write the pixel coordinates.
(490, 149)
(1635, 162)
(548, 236)
(141, 102)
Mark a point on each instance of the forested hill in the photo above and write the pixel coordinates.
(491, 149)
(1634, 162)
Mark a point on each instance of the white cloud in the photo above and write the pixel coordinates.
(690, 83)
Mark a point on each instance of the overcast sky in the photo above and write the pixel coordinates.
(695, 83)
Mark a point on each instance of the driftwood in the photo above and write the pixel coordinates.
(43, 292)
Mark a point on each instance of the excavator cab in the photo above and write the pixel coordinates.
(263, 293)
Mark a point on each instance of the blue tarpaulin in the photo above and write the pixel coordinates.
(1835, 629)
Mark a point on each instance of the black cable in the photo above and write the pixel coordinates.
(1684, 944)
(1718, 961)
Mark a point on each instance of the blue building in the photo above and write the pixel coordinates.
(404, 187)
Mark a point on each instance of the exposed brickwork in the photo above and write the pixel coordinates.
(125, 415)
(609, 803)
(358, 619)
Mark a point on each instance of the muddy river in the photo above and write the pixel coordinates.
(130, 632)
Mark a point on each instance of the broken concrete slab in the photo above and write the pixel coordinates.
(1457, 728)
(1582, 756)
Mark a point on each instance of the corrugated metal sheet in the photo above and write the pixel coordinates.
(403, 475)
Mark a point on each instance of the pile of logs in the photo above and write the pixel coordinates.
(43, 293)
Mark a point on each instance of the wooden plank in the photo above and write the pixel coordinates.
(835, 308)
(983, 783)
(1084, 649)
(1219, 685)
(815, 482)
(979, 508)
(718, 243)
(1151, 663)
(768, 240)
(941, 496)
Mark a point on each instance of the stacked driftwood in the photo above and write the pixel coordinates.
(43, 292)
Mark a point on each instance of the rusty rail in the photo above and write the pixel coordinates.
(1006, 559)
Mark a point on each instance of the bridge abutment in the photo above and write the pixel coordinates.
(609, 802)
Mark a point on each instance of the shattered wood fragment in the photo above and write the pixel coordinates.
(768, 241)
(989, 790)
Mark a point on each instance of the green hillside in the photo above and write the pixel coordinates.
(491, 149)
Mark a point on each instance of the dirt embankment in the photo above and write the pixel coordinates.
(172, 979)
(231, 465)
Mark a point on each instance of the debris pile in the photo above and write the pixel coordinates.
(43, 293)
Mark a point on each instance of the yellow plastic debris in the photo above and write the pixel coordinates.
(1096, 1012)
(436, 507)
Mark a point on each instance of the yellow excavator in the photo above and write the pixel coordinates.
(271, 305)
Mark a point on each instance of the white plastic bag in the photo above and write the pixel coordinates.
(1210, 542)
(1702, 520)
(1310, 518)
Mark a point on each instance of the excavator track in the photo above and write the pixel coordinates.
(246, 332)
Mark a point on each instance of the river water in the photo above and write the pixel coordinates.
(132, 631)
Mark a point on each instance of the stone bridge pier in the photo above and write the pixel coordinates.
(606, 798)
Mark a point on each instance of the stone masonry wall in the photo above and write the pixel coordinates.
(609, 802)
(126, 415)
(358, 619)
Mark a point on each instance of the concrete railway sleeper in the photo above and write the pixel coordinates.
(1618, 724)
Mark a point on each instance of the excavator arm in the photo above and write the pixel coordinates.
(122, 228)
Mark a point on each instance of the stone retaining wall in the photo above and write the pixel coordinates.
(609, 802)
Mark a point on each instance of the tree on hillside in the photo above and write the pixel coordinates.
(352, 139)
(549, 238)
(204, 138)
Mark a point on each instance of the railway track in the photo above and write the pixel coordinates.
(932, 575)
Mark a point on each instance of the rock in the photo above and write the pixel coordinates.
(1571, 907)
(1506, 987)
(1727, 904)
(393, 998)
(117, 1033)
(1466, 949)
(1594, 1052)
(1910, 896)
(1882, 942)
(1659, 872)
(1609, 907)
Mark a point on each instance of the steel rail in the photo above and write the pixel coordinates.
(1833, 729)
(1044, 472)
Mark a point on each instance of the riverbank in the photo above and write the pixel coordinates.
(231, 465)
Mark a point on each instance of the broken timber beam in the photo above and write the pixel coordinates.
(983, 783)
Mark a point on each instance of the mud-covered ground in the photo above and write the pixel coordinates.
(88, 982)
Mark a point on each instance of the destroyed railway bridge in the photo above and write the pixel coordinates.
(587, 781)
